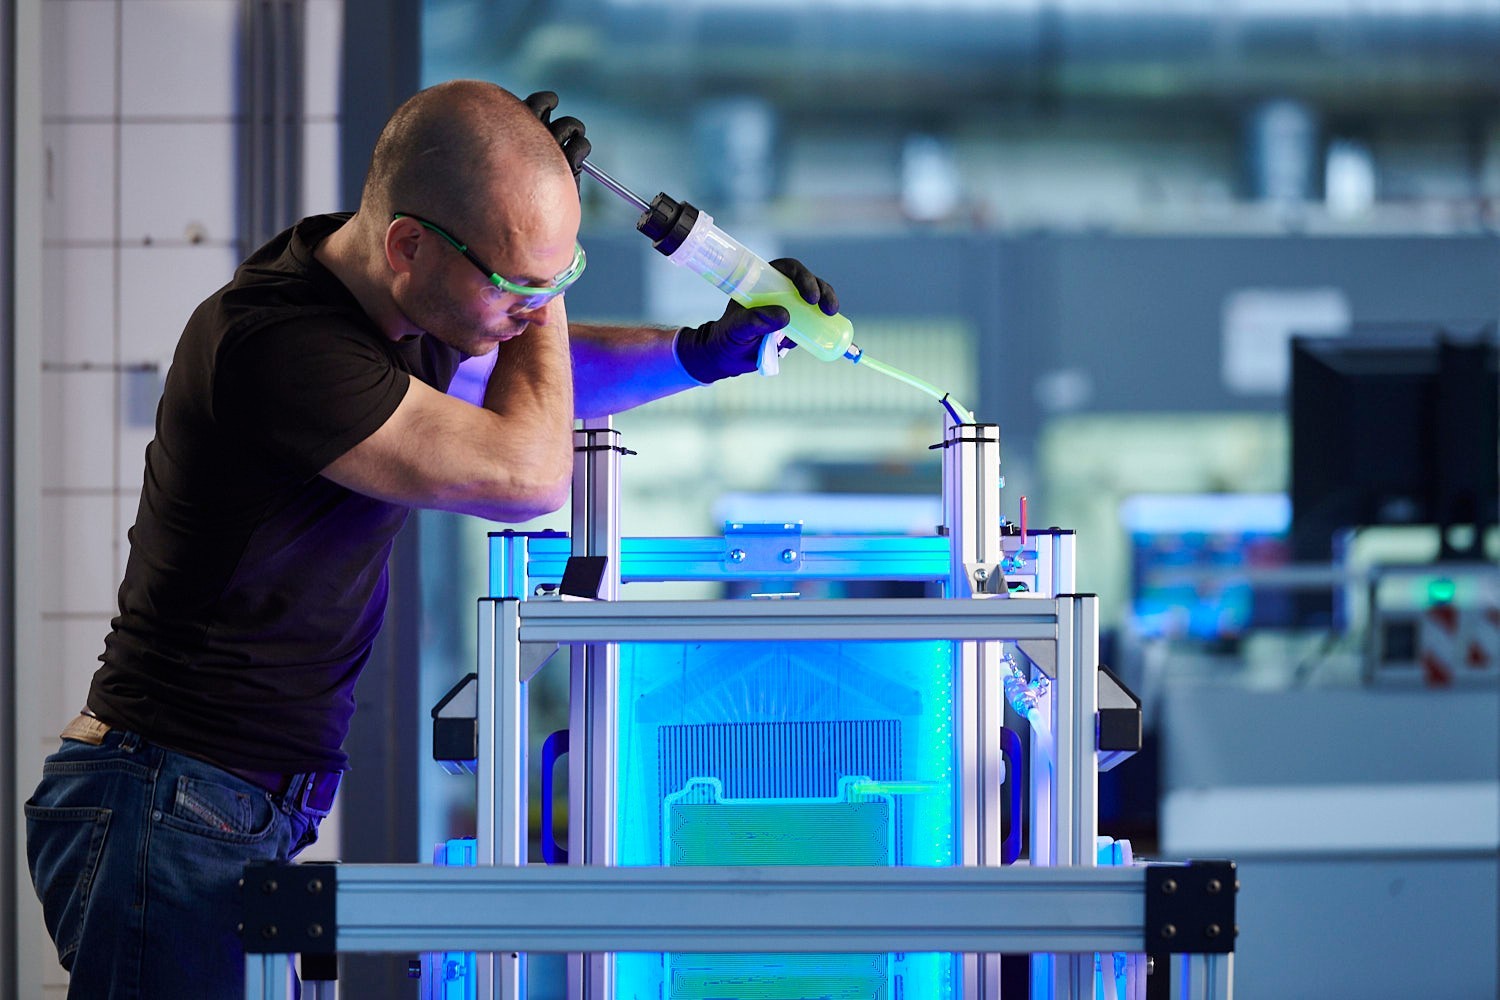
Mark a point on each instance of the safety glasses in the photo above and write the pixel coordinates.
(530, 296)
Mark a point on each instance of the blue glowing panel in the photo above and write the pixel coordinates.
(786, 753)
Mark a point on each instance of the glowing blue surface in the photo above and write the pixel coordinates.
(831, 753)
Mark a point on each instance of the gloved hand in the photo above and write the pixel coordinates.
(567, 131)
(730, 345)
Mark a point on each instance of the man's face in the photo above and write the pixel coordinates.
(453, 300)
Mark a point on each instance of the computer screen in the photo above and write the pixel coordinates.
(1194, 560)
(1393, 428)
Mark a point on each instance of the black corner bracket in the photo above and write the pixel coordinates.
(288, 908)
(1190, 908)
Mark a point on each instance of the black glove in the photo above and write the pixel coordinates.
(567, 131)
(730, 345)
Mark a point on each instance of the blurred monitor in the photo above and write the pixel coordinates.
(1394, 428)
(1194, 559)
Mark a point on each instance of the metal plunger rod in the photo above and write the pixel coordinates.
(615, 186)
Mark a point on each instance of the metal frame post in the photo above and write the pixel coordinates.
(593, 685)
(971, 515)
(501, 773)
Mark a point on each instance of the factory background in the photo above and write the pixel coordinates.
(1099, 224)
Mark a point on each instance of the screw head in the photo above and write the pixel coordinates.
(1169, 931)
(314, 930)
(1169, 886)
(269, 886)
(1213, 886)
(1212, 930)
(736, 555)
(268, 932)
(788, 555)
(315, 886)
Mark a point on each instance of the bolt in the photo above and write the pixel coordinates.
(1169, 931)
(268, 931)
(1213, 887)
(981, 574)
(788, 555)
(1169, 886)
(315, 886)
(1212, 930)
(736, 555)
(269, 886)
(315, 930)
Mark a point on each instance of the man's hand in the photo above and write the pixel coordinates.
(730, 345)
(567, 131)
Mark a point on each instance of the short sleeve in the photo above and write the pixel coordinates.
(307, 390)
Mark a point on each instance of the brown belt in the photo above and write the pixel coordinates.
(305, 790)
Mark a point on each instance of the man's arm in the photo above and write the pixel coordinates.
(619, 367)
(510, 459)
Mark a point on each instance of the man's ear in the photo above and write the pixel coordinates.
(403, 238)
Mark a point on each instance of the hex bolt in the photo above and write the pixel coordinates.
(788, 555)
(1213, 886)
(314, 930)
(315, 886)
(1169, 931)
(1169, 886)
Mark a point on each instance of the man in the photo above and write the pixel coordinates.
(303, 415)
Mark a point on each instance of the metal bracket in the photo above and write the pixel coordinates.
(535, 656)
(1119, 728)
(289, 908)
(773, 549)
(1190, 908)
(1042, 652)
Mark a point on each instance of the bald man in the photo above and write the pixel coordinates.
(305, 412)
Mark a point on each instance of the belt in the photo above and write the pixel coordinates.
(312, 790)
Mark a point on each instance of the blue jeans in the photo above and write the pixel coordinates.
(136, 853)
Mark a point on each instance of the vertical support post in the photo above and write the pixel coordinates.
(268, 977)
(1203, 977)
(971, 514)
(501, 767)
(592, 713)
(1067, 836)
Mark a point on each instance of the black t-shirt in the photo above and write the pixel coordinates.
(255, 587)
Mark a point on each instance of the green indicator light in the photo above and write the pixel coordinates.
(893, 787)
(1441, 591)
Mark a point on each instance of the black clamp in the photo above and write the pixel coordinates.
(288, 908)
(1190, 908)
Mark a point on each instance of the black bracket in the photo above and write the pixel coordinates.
(288, 908)
(1190, 908)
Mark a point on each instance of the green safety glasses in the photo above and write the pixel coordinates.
(531, 296)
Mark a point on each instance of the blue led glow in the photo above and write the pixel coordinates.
(831, 753)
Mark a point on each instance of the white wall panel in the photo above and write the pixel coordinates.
(78, 430)
(71, 648)
(160, 286)
(79, 538)
(320, 168)
(79, 58)
(177, 182)
(78, 305)
(323, 41)
(178, 57)
(79, 174)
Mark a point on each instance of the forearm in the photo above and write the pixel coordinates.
(531, 389)
(618, 367)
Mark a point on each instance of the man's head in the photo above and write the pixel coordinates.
(465, 173)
